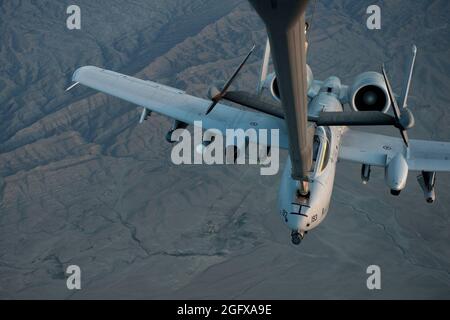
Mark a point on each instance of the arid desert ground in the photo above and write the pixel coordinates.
(81, 182)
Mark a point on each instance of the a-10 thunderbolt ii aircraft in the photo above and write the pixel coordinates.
(309, 114)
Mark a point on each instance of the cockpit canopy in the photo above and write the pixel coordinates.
(321, 150)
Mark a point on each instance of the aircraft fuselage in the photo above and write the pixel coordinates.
(302, 214)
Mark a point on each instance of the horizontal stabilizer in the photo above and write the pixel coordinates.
(255, 102)
(366, 118)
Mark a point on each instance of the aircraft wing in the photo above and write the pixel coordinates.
(176, 103)
(376, 149)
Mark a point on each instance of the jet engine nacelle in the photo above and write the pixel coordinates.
(369, 93)
(271, 83)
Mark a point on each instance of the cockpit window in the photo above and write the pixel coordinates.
(321, 150)
(316, 146)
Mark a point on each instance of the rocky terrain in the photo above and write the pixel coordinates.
(81, 182)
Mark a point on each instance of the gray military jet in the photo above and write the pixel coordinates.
(309, 114)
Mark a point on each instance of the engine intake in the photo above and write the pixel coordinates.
(369, 93)
(272, 83)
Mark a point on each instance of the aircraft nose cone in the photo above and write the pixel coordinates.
(298, 219)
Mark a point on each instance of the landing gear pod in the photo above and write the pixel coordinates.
(396, 174)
